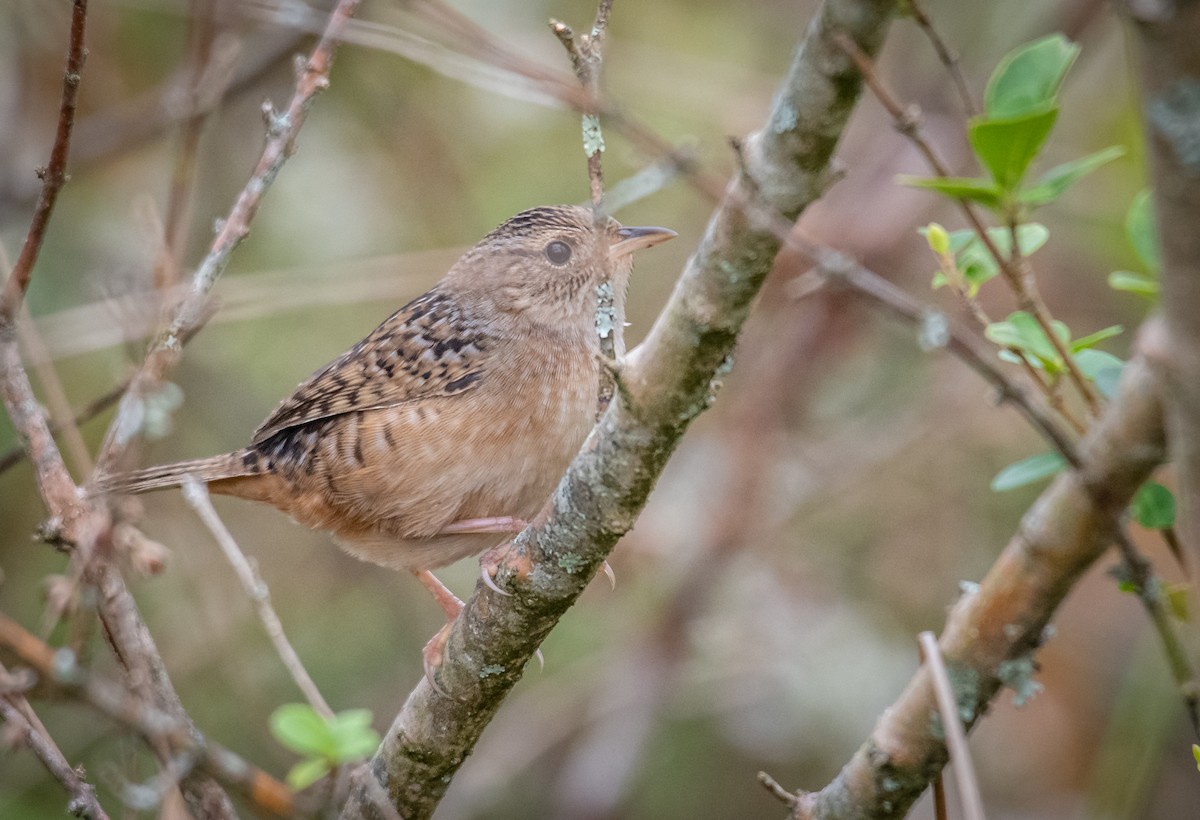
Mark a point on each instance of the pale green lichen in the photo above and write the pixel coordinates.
(1017, 675)
(605, 312)
(571, 563)
(490, 670)
(965, 681)
(593, 138)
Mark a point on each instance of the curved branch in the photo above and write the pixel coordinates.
(1170, 79)
(991, 631)
(666, 383)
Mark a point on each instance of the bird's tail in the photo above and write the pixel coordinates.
(205, 470)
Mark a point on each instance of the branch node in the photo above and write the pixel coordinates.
(789, 799)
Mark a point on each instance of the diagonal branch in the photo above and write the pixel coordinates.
(669, 381)
(282, 130)
(992, 631)
(1170, 78)
(53, 175)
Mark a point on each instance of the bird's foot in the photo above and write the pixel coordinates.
(434, 653)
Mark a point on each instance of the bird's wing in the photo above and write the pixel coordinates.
(427, 348)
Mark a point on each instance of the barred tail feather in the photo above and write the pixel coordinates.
(214, 468)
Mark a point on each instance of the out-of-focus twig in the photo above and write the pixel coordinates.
(61, 669)
(196, 495)
(17, 713)
(946, 54)
(956, 738)
(53, 175)
(282, 129)
(1016, 270)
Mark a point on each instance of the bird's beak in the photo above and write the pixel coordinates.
(634, 239)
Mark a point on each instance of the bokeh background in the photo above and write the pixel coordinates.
(822, 513)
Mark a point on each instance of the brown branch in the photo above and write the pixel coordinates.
(1014, 267)
(282, 130)
(991, 632)
(952, 727)
(670, 380)
(839, 269)
(948, 56)
(61, 669)
(196, 495)
(53, 175)
(587, 58)
(17, 713)
(1166, 54)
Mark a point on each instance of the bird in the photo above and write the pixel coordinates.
(446, 428)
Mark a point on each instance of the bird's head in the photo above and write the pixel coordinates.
(544, 265)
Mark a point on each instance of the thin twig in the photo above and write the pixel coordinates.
(282, 130)
(61, 669)
(1137, 570)
(586, 52)
(956, 737)
(88, 411)
(781, 794)
(53, 175)
(838, 268)
(196, 495)
(948, 57)
(1016, 272)
(61, 416)
(16, 712)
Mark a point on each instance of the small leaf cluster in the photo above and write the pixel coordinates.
(324, 744)
(1141, 232)
(1020, 110)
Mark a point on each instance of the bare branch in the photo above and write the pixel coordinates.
(670, 381)
(53, 175)
(992, 630)
(16, 712)
(952, 727)
(196, 495)
(1166, 51)
(61, 669)
(282, 130)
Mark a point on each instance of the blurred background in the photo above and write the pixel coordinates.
(822, 513)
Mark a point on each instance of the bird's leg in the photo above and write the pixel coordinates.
(433, 654)
(502, 524)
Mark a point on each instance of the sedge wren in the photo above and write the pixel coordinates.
(446, 428)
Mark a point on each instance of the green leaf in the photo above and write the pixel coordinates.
(307, 772)
(353, 737)
(1029, 77)
(1178, 596)
(1028, 471)
(298, 728)
(1095, 338)
(1058, 179)
(1140, 227)
(1133, 282)
(1022, 331)
(1007, 146)
(1154, 506)
(1107, 379)
(1093, 362)
(983, 191)
(976, 262)
(1196, 754)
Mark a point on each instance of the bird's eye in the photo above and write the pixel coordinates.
(558, 252)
